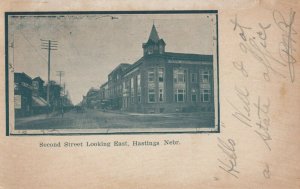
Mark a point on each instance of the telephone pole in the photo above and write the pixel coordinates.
(64, 89)
(49, 45)
(62, 96)
(60, 74)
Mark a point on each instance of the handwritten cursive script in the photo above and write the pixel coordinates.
(266, 172)
(240, 67)
(228, 148)
(263, 122)
(242, 114)
(286, 48)
(254, 41)
(259, 123)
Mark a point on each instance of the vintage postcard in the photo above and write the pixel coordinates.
(150, 94)
(112, 72)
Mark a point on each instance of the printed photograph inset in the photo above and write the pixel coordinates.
(117, 72)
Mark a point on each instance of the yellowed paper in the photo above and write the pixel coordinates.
(258, 145)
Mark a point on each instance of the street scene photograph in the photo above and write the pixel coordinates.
(116, 72)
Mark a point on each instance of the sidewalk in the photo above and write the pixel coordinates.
(35, 117)
(176, 114)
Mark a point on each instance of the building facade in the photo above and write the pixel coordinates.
(93, 98)
(104, 97)
(39, 104)
(163, 81)
(22, 94)
(114, 85)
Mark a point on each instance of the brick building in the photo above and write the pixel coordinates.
(22, 94)
(93, 98)
(39, 104)
(162, 81)
(114, 85)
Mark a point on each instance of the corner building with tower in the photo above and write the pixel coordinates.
(161, 82)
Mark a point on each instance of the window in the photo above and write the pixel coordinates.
(138, 79)
(151, 95)
(161, 49)
(151, 75)
(132, 90)
(150, 50)
(151, 85)
(120, 89)
(161, 95)
(132, 85)
(160, 74)
(194, 78)
(205, 77)
(205, 95)
(124, 88)
(35, 85)
(127, 84)
(194, 95)
(179, 76)
(179, 95)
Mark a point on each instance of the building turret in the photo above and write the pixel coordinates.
(154, 45)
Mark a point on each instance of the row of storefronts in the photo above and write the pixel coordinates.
(30, 96)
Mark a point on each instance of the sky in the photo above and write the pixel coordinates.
(91, 46)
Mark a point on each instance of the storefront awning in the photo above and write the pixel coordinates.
(38, 102)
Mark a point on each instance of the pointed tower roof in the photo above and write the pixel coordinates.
(153, 34)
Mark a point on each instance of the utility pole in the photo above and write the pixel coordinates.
(62, 96)
(60, 74)
(49, 45)
(64, 89)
